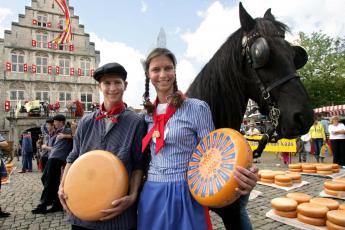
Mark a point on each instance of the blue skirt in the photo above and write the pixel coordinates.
(169, 205)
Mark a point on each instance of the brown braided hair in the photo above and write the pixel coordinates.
(177, 98)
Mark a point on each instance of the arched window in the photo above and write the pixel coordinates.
(17, 58)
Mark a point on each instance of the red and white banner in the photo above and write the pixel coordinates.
(66, 35)
(331, 110)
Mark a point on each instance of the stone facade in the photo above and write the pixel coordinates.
(35, 68)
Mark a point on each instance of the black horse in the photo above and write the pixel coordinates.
(255, 63)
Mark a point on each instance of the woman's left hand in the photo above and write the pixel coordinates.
(118, 207)
(246, 179)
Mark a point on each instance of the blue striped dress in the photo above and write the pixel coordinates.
(165, 202)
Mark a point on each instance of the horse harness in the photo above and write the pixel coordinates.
(257, 51)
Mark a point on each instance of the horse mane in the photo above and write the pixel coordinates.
(221, 82)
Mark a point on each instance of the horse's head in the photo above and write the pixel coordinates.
(271, 64)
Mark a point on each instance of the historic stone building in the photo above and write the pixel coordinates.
(34, 67)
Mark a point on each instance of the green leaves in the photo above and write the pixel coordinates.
(324, 73)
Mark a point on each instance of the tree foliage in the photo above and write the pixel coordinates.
(324, 73)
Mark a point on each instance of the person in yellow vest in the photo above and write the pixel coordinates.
(318, 137)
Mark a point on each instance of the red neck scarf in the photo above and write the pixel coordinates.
(157, 131)
(115, 110)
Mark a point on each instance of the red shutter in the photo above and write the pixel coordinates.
(91, 72)
(7, 106)
(49, 24)
(33, 42)
(57, 69)
(71, 71)
(55, 46)
(71, 47)
(25, 67)
(79, 72)
(33, 68)
(34, 22)
(49, 69)
(49, 45)
(8, 66)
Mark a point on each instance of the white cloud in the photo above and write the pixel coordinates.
(4, 12)
(221, 21)
(144, 6)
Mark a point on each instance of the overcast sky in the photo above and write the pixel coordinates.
(124, 31)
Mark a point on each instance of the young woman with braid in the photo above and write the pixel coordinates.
(175, 126)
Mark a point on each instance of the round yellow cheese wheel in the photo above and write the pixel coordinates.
(283, 184)
(328, 202)
(268, 175)
(308, 167)
(294, 176)
(93, 182)
(335, 170)
(210, 171)
(309, 171)
(332, 226)
(266, 180)
(295, 170)
(300, 197)
(324, 172)
(324, 167)
(337, 217)
(342, 206)
(283, 179)
(311, 220)
(341, 180)
(335, 166)
(331, 192)
(287, 214)
(334, 185)
(312, 210)
(284, 204)
(295, 166)
(263, 171)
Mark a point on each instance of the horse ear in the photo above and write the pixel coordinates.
(268, 15)
(247, 22)
(301, 57)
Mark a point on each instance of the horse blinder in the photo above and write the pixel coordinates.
(301, 57)
(259, 52)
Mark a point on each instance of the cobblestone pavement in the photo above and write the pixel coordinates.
(24, 190)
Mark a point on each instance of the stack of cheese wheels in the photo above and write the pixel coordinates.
(93, 182)
(335, 168)
(324, 169)
(342, 206)
(299, 197)
(283, 180)
(267, 177)
(336, 219)
(327, 202)
(296, 177)
(313, 214)
(334, 188)
(308, 168)
(341, 180)
(211, 167)
(285, 207)
(295, 167)
(263, 171)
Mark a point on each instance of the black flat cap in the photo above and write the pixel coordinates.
(50, 120)
(59, 117)
(110, 68)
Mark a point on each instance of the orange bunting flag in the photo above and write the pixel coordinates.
(66, 35)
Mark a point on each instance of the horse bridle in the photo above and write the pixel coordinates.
(256, 50)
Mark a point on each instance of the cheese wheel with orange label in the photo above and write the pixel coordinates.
(324, 167)
(93, 182)
(268, 175)
(210, 171)
(308, 167)
(329, 203)
(337, 217)
(287, 214)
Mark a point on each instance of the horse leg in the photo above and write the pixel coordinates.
(235, 216)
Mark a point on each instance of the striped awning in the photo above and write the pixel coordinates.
(332, 110)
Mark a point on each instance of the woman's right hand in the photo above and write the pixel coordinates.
(63, 198)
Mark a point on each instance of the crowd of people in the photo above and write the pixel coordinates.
(157, 143)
